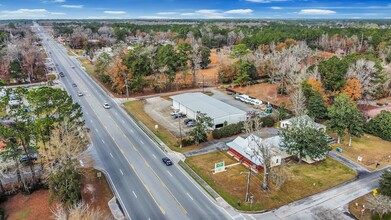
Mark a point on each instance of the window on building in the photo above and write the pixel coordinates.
(219, 126)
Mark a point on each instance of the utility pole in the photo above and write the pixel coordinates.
(180, 132)
(203, 83)
(249, 173)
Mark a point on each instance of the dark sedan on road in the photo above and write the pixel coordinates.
(167, 161)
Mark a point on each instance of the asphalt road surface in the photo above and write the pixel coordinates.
(145, 187)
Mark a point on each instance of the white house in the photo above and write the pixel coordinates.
(220, 112)
(288, 122)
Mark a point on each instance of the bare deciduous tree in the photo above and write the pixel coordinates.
(5, 166)
(65, 145)
(260, 150)
(364, 71)
(78, 211)
(298, 102)
(379, 204)
(278, 175)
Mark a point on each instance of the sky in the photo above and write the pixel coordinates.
(194, 9)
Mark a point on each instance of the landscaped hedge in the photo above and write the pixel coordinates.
(380, 125)
(268, 121)
(228, 130)
(187, 142)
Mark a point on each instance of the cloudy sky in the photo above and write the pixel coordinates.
(186, 9)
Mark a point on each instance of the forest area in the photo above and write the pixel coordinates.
(21, 57)
(284, 53)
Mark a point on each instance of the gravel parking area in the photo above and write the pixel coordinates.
(230, 99)
(159, 109)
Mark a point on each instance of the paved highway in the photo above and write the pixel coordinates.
(146, 188)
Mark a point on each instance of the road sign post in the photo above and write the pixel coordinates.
(219, 167)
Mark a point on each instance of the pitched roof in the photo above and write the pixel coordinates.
(247, 146)
(373, 112)
(303, 118)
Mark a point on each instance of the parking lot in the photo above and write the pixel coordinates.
(159, 109)
(230, 99)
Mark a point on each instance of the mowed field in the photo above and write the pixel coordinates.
(302, 180)
(372, 149)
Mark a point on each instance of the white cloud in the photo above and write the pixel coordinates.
(239, 11)
(115, 12)
(217, 14)
(167, 13)
(27, 13)
(103, 17)
(188, 14)
(207, 11)
(72, 6)
(276, 8)
(316, 12)
(57, 13)
(265, 1)
(152, 17)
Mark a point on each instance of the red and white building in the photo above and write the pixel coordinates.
(245, 151)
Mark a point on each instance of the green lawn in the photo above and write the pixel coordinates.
(372, 149)
(70, 53)
(2, 112)
(90, 68)
(302, 180)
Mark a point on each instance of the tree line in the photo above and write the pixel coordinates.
(21, 57)
(44, 133)
(154, 67)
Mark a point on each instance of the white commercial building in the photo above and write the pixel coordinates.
(220, 112)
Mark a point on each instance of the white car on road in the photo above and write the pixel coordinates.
(106, 105)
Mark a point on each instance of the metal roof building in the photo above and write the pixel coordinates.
(220, 112)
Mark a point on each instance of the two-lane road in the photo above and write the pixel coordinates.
(147, 188)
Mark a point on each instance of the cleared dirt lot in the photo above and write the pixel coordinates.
(159, 109)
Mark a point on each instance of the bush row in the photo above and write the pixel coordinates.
(228, 130)
(380, 125)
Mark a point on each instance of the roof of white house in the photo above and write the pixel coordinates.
(302, 119)
(247, 146)
(212, 107)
